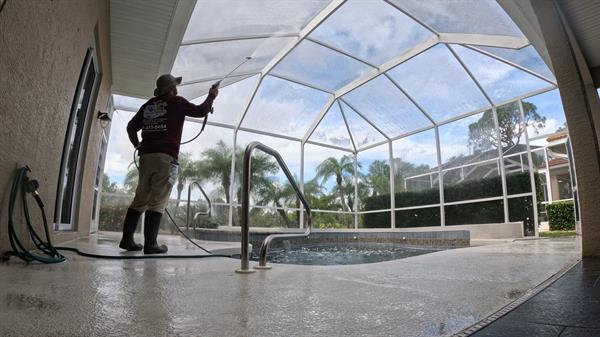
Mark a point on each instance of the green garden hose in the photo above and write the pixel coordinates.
(23, 184)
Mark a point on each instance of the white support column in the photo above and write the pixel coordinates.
(392, 186)
(232, 179)
(548, 182)
(355, 210)
(531, 173)
(498, 41)
(512, 64)
(235, 133)
(239, 123)
(521, 160)
(350, 135)
(501, 162)
(440, 176)
(302, 181)
(319, 117)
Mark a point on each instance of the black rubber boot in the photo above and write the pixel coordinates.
(151, 226)
(129, 225)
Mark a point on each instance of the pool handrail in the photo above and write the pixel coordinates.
(245, 240)
(189, 197)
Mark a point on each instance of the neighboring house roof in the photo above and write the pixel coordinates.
(555, 162)
(557, 136)
(487, 155)
(479, 157)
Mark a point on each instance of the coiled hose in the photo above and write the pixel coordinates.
(22, 183)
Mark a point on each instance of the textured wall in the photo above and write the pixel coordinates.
(582, 110)
(42, 48)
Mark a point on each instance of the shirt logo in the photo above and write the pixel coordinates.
(155, 110)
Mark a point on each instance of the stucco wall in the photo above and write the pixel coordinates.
(42, 48)
(582, 110)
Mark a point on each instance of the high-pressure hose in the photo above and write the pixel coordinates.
(166, 210)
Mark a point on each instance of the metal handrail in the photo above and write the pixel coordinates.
(187, 221)
(246, 207)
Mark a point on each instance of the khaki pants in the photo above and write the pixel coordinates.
(157, 175)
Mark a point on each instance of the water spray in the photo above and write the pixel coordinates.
(215, 85)
(218, 83)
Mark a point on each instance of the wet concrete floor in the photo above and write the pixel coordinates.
(107, 244)
(435, 294)
(569, 307)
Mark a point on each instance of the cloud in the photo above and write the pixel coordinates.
(119, 153)
(500, 81)
(418, 149)
(371, 30)
(550, 127)
(458, 16)
(237, 18)
(283, 107)
(320, 66)
(383, 104)
(439, 84)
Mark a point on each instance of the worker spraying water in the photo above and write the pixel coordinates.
(161, 122)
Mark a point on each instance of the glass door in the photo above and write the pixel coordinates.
(71, 164)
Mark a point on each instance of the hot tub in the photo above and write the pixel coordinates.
(351, 253)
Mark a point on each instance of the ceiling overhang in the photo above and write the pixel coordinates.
(145, 37)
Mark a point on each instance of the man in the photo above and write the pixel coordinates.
(161, 121)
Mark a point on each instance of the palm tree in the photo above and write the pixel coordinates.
(187, 171)
(341, 170)
(315, 195)
(262, 169)
(215, 165)
(131, 179)
(378, 177)
(278, 196)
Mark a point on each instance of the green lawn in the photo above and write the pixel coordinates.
(557, 234)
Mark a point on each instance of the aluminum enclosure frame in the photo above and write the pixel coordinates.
(470, 41)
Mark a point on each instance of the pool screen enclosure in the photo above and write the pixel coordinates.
(390, 113)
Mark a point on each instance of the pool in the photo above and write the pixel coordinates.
(324, 254)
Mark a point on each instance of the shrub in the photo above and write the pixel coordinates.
(520, 209)
(420, 217)
(561, 216)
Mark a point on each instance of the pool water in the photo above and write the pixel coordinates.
(332, 255)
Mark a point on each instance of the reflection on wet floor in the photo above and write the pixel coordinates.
(107, 243)
(428, 295)
(569, 307)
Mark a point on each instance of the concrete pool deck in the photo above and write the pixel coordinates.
(106, 243)
(436, 294)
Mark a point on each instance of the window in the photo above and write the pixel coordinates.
(77, 129)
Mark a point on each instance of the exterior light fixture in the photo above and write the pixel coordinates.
(104, 119)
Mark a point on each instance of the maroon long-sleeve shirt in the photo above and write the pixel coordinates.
(161, 121)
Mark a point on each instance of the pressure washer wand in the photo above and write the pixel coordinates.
(215, 85)
(218, 83)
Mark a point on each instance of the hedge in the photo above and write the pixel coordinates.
(520, 209)
(561, 216)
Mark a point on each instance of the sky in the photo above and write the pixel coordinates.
(418, 149)
(433, 85)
